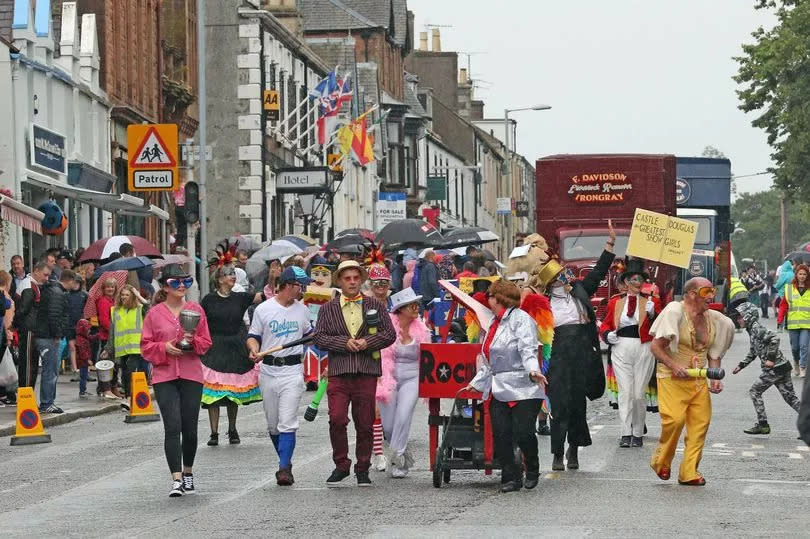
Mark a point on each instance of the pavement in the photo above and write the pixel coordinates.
(67, 398)
(103, 478)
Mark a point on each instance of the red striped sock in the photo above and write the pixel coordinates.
(378, 437)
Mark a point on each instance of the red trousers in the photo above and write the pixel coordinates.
(360, 391)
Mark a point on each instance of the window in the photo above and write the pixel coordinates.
(704, 231)
(456, 181)
(584, 247)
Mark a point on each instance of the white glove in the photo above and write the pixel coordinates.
(650, 308)
(612, 338)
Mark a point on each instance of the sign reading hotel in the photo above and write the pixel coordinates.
(600, 188)
(152, 150)
(48, 150)
(302, 180)
(662, 238)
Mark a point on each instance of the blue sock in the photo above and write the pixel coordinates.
(286, 446)
(274, 438)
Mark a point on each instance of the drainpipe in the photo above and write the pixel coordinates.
(262, 83)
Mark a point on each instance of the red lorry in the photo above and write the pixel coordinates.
(577, 194)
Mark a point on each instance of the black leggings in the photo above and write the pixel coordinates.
(179, 402)
(514, 425)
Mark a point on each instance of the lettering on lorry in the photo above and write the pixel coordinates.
(602, 187)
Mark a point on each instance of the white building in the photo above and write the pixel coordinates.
(58, 143)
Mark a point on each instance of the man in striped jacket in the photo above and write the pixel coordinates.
(345, 329)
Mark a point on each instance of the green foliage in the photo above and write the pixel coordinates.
(774, 75)
(758, 215)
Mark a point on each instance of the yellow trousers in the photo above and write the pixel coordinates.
(682, 402)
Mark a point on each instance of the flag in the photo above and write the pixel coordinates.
(330, 93)
(361, 147)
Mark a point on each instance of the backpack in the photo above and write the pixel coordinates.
(417, 274)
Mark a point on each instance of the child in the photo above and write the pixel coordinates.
(84, 353)
(775, 368)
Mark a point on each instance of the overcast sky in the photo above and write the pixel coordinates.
(621, 75)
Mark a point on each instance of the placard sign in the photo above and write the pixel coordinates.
(390, 207)
(445, 369)
(662, 238)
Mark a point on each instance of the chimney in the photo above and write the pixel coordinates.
(423, 41)
(88, 52)
(69, 42)
(437, 41)
(462, 76)
(477, 110)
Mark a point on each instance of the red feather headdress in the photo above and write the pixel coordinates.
(226, 252)
(374, 255)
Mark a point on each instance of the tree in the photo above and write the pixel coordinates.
(758, 215)
(775, 77)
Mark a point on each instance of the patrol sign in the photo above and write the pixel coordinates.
(152, 157)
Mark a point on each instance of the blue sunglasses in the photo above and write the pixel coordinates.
(175, 283)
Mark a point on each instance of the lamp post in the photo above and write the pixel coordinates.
(507, 156)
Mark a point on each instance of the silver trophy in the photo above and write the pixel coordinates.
(189, 321)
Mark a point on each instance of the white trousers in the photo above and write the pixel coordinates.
(397, 415)
(633, 364)
(281, 396)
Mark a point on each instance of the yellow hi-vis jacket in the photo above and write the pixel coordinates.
(798, 316)
(126, 328)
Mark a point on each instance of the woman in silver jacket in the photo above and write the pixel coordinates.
(509, 369)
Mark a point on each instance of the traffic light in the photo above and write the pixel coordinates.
(192, 207)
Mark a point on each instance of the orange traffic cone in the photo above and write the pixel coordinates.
(29, 425)
(140, 401)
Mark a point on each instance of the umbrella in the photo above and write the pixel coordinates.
(364, 232)
(127, 263)
(409, 232)
(474, 235)
(303, 237)
(246, 243)
(297, 240)
(276, 250)
(345, 241)
(102, 249)
(488, 255)
(802, 257)
(172, 259)
(96, 290)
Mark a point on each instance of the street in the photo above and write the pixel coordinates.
(101, 478)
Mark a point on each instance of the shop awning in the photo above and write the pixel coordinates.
(21, 215)
(111, 202)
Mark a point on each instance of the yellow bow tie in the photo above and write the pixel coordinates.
(358, 299)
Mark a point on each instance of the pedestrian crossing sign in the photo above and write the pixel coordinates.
(152, 150)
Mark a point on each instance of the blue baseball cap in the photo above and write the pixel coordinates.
(294, 273)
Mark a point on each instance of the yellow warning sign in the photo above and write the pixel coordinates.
(153, 159)
(272, 105)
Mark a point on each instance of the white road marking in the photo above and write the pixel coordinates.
(775, 481)
(719, 445)
(748, 454)
(598, 427)
(795, 456)
(802, 448)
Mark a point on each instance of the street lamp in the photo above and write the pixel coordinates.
(506, 144)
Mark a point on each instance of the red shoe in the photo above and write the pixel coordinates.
(664, 474)
(697, 482)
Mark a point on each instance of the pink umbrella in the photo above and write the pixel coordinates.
(105, 247)
(96, 290)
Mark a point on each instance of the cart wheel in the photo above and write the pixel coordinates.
(437, 469)
(447, 475)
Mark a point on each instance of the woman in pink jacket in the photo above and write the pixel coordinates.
(176, 374)
(398, 387)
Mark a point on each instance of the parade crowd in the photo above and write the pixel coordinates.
(352, 320)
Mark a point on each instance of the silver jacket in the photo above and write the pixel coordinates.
(512, 356)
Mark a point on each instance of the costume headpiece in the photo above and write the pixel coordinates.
(374, 254)
(226, 253)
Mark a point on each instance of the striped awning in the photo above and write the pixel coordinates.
(20, 214)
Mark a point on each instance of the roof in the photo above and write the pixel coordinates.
(334, 51)
(413, 103)
(324, 15)
(6, 15)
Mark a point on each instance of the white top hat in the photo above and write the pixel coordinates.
(402, 298)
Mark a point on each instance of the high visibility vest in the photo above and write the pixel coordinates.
(127, 333)
(798, 316)
(737, 292)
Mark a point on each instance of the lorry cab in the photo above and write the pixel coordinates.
(702, 262)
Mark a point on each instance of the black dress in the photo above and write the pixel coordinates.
(229, 376)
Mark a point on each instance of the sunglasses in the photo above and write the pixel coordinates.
(227, 272)
(175, 283)
(706, 292)
(636, 279)
(380, 282)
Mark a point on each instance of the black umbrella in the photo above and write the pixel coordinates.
(409, 233)
(803, 257)
(474, 235)
(364, 232)
(349, 240)
(142, 264)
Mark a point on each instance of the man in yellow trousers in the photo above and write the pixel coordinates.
(687, 334)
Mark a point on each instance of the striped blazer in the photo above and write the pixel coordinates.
(331, 334)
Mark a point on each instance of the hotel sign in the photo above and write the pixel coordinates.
(302, 180)
(48, 150)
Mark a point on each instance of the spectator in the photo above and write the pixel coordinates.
(104, 306)
(76, 299)
(491, 268)
(7, 394)
(50, 328)
(124, 336)
(126, 249)
(447, 270)
(429, 278)
(21, 279)
(241, 258)
(64, 260)
(407, 279)
(25, 321)
(49, 258)
(397, 273)
(468, 270)
(84, 353)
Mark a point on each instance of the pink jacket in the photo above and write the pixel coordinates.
(387, 382)
(161, 326)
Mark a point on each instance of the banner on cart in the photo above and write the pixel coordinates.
(445, 369)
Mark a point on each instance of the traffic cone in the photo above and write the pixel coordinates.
(29, 425)
(140, 401)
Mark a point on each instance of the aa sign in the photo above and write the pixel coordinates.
(662, 238)
(272, 105)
